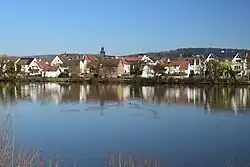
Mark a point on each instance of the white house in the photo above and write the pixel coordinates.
(148, 60)
(239, 64)
(28, 65)
(195, 65)
(51, 72)
(126, 67)
(147, 71)
(56, 61)
(87, 61)
(131, 63)
(176, 67)
(47, 70)
(83, 67)
(209, 58)
(60, 59)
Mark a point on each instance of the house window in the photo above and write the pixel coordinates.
(238, 61)
(237, 67)
(197, 62)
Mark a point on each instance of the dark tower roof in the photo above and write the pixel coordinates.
(102, 52)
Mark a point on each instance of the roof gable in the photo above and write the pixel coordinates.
(45, 67)
(25, 60)
(47, 58)
(90, 57)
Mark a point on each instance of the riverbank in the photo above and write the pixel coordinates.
(137, 80)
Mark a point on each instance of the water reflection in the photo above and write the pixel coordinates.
(213, 99)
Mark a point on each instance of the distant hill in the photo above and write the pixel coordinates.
(188, 52)
(184, 52)
(196, 51)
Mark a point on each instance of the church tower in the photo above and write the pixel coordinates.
(102, 52)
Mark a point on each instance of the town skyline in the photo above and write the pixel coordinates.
(206, 50)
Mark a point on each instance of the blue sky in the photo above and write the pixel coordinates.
(31, 27)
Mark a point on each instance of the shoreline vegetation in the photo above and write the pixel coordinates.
(134, 80)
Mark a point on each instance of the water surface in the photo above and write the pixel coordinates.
(181, 126)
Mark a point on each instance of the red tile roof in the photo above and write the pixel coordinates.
(90, 57)
(45, 67)
(182, 63)
(134, 58)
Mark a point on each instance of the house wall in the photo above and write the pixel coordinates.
(176, 69)
(196, 67)
(147, 72)
(51, 73)
(84, 66)
(245, 66)
(172, 69)
(62, 69)
(120, 69)
(127, 68)
(33, 65)
(237, 63)
(187, 71)
(56, 61)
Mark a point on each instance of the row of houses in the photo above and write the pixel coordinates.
(114, 66)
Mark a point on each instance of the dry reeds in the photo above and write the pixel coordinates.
(128, 160)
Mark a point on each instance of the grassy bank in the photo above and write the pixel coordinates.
(135, 80)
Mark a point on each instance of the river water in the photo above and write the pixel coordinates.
(177, 125)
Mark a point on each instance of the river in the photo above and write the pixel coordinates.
(177, 125)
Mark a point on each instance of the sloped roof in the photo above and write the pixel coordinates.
(133, 58)
(90, 58)
(70, 56)
(25, 60)
(182, 63)
(110, 62)
(45, 67)
(159, 67)
(228, 55)
(47, 58)
(72, 63)
(190, 60)
(244, 54)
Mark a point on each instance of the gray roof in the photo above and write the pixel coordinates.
(25, 60)
(70, 56)
(47, 58)
(71, 63)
